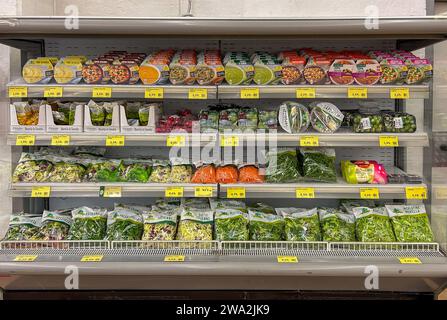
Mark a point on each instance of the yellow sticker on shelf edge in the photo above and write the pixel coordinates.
(115, 141)
(400, 93)
(174, 192)
(196, 93)
(110, 191)
(309, 141)
(92, 258)
(40, 192)
(174, 258)
(250, 93)
(203, 191)
(53, 92)
(154, 93)
(388, 141)
(25, 140)
(229, 141)
(357, 93)
(175, 141)
(369, 193)
(60, 140)
(409, 260)
(287, 259)
(25, 257)
(18, 92)
(305, 93)
(305, 193)
(416, 193)
(102, 92)
(236, 193)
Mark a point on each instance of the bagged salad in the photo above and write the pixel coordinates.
(181, 171)
(373, 225)
(124, 225)
(293, 117)
(325, 117)
(301, 224)
(318, 164)
(161, 171)
(88, 224)
(66, 169)
(103, 170)
(349, 205)
(231, 225)
(24, 227)
(195, 224)
(265, 227)
(55, 225)
(135, 170)
(32, 167)
(160, 225)
(226, 204)
(195, 203)
(261, 207)
(410, 223)
(101, 114)
(336, 225)
(282, 166)
(63, 113)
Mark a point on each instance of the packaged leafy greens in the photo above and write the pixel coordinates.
(88, 224)
(301, 224)
(181, 171)
(166, 204)
(55, 225)
(373, 225)
(124, 225)
(410, 223)
(105, 170)
(160, 226)
(262, 207)
(66, 169)
(318, 164)
(336, 225)
(195, 225)
(97, 113)
(32, 168)
(161, 171)
(231, 225)
(195, 203)
(135, 170)
(23, 227)
(265, 226)
(63, 113)
(134, 207)
(349, 205)
(282, 166)
(226, 204)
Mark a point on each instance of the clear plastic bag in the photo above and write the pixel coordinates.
(373, 225)
(318, 164)
(282, 166)
(325, 117)
(293, 117)
(301, 224)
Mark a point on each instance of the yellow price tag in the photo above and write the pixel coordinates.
(198, 94)
(175, 141)
(174, 192)
(388, 141)
(25, 140)
(206, 192)
(305, 93)
(53, 92)
(18, 92)
(115, 141)
(305, 193)
(174, 258)
(154, 93)
(60, 140)
(309, 141)
(287, 259)
(229, 141)
(236, 193)
(250, 93)
(369, 193)
(102, 92)
(25, 257)
(357, 93)
(400, 93)
(40, 192)
(110, 191)
(416, 193)
(92, 258)
(410, 260)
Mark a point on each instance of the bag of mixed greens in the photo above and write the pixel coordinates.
(336, 225)
(181, 171)
(195, 225)
(105, 170)
(66, 169)
(226, 204)
(282, 166)
(231, 225)
(124, 225)
(318, 164)
(349, 205)
(373, 225)
(410, 223)
(301, 224)
(195, 203)
(265, 226)
(55, 225)
(88, 224)
(134, 207)
(160, 226)
(293, 117)
(135, 170)
(166, 204)
(161, 171)
(24, 227)
(32, 168)
(262, 207)
(89, 152)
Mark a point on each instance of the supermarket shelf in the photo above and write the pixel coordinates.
(92, 139)
(323, 91)
(340, 190)
(90, 189)
(136, 91)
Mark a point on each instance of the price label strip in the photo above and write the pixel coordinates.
(357, 93)
(176, 141)
(305, 93)
(40, 192)
(229, 141)
(305, 193)
(25, 140)
(309, 141)
(200, 94)
(400, 93)
(110, 192)
(174, 258)
(60, 140)
(25, 258)
(287, 259)
(53, 92)
(115, 141)
(409, 260)
(388, 141)
(206, 192)
(236, 193)
(369, 193)
(102, 92)
(416, 193)
(154, 93)
(18, 92)
(250, 93)
(92, 258)
(174, 192)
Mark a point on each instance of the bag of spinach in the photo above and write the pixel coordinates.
(318, 164)
(265, 226)
(282, 166)
(231, 225)
(301, 224)
(336, 225)
(88, 224)
(124, 225)
(373, 225)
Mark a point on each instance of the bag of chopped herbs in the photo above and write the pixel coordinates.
(160, 226)
(105, 170)
(124, 225)
(231, 225)
(282, 166)
(66, 169)
(318, 164)
(88, 224)
(32, 168)
(265, 226)
(301, 224)
(195, 225)
(226, 204)
(55, 225)
(24, 227)
(161, 171)
(135, 170)
(349, 205)
(410, 223)
(181, 171)
(336, 225)
(373, 225)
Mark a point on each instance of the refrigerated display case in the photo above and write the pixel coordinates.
(228, 265)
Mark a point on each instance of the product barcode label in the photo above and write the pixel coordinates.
(25, 258)
(410, 260)
(174, 258)
(365, 124)
(305, 93)
(398, 123)
(40, 192)
(154, 93)
(309, 141)
(102, 92)
(92, 258)
(53, 92)
(198, 94)
(115, 141)
(60, 140)
(236, 193)
(287, 259)
(369, 193)
(206, 192)
(305, 193)
(18, 92)
(388, 141)
(357, 93)
(110, 192)
(400, 93)
(250, 93)
(176, 141)
(174, 192)
(25, 140)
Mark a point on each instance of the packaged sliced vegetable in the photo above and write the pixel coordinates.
(166, 204)
(24, 227)
(247, 119)
(160, 226)
(301, 224)
(161, 171)
(124, 225)
(318, 164)
(231, 225)
(363, 172)
(410, 223)
(63, 113)
(55, 225)
(227, 174)
(282, 166)
(336, 225)
(293, 117)
(195, 225)
(373, 225)
(88, 224)
(265, 227)
(205, 173)
(249, 173)
(325, 117)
